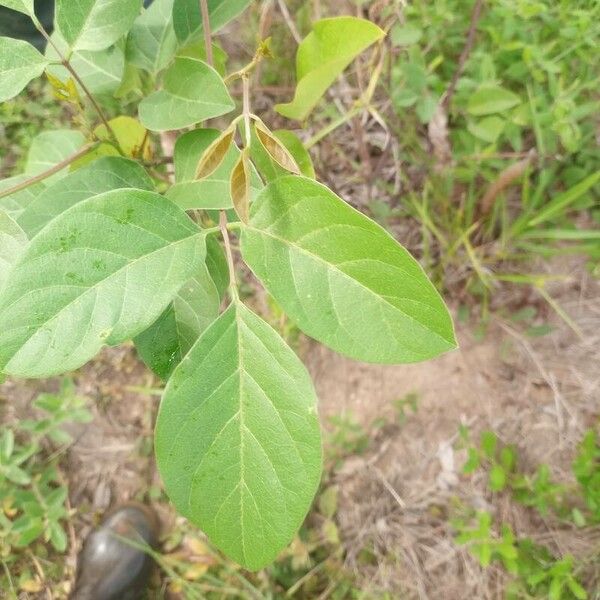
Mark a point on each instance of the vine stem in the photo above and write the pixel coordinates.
(222, 213)
(45, 174)
(207, 32)
(67, 65)
(246, 107)
(229, 254)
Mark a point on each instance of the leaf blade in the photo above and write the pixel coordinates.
(164, 344)
(95, 24)
(323, 55)
(192, 92)
(276, 149)
(240, 187)
(98, 274)
(20, 62)
(341, 277)
(188, 22)
(238, 479)
(102, 175)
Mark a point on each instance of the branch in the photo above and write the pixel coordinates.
(54, 169)
(222, 213)
(67, 65)
(464, 55)
(207, 32)
(228, 253)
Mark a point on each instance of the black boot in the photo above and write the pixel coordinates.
(110, 568)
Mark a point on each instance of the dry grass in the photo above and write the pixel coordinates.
(539, 394)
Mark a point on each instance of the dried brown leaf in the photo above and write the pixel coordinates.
(213, 156)
(276, 150)
(240, 186)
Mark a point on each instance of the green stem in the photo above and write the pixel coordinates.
(67, 65)
(246, 108)
(207, 32)
(229, 255)
(49, 172)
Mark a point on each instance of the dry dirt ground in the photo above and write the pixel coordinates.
(396, 498)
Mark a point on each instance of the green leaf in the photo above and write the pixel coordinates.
(20, 62)
(405, 35)
(95, 24)
(99, 273)
(491, 99)
(192, 92)
(563, 201)
(105, 174)
(101, 71)
(16, 474)
(497, 478)
(58, 537)
(194, 308)
(49, 148)
(28, 529)
(12, 243)
(151, 43)
(238, 439)
(489, 443)
(188, 21)
(341, 277)
(322, 56)
(576, 589)
(212, 191)
(24, 6)
(488, 129)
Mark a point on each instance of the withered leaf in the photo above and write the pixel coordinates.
(276, 150)
(213, 156)
(240, 186)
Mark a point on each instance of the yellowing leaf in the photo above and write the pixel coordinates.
(214, 154)
(31, 585)
(276, 150)
(240, 187)
(195, 571)
(131, 135)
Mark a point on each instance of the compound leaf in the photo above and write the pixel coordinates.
(341, 277)
(103, 175)
(20, 62)
(95, 24)
(194, 308)
(192, 92)
(99, 273)
(323, 55)
(212, 191)
(188, 21)
(237, 438)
